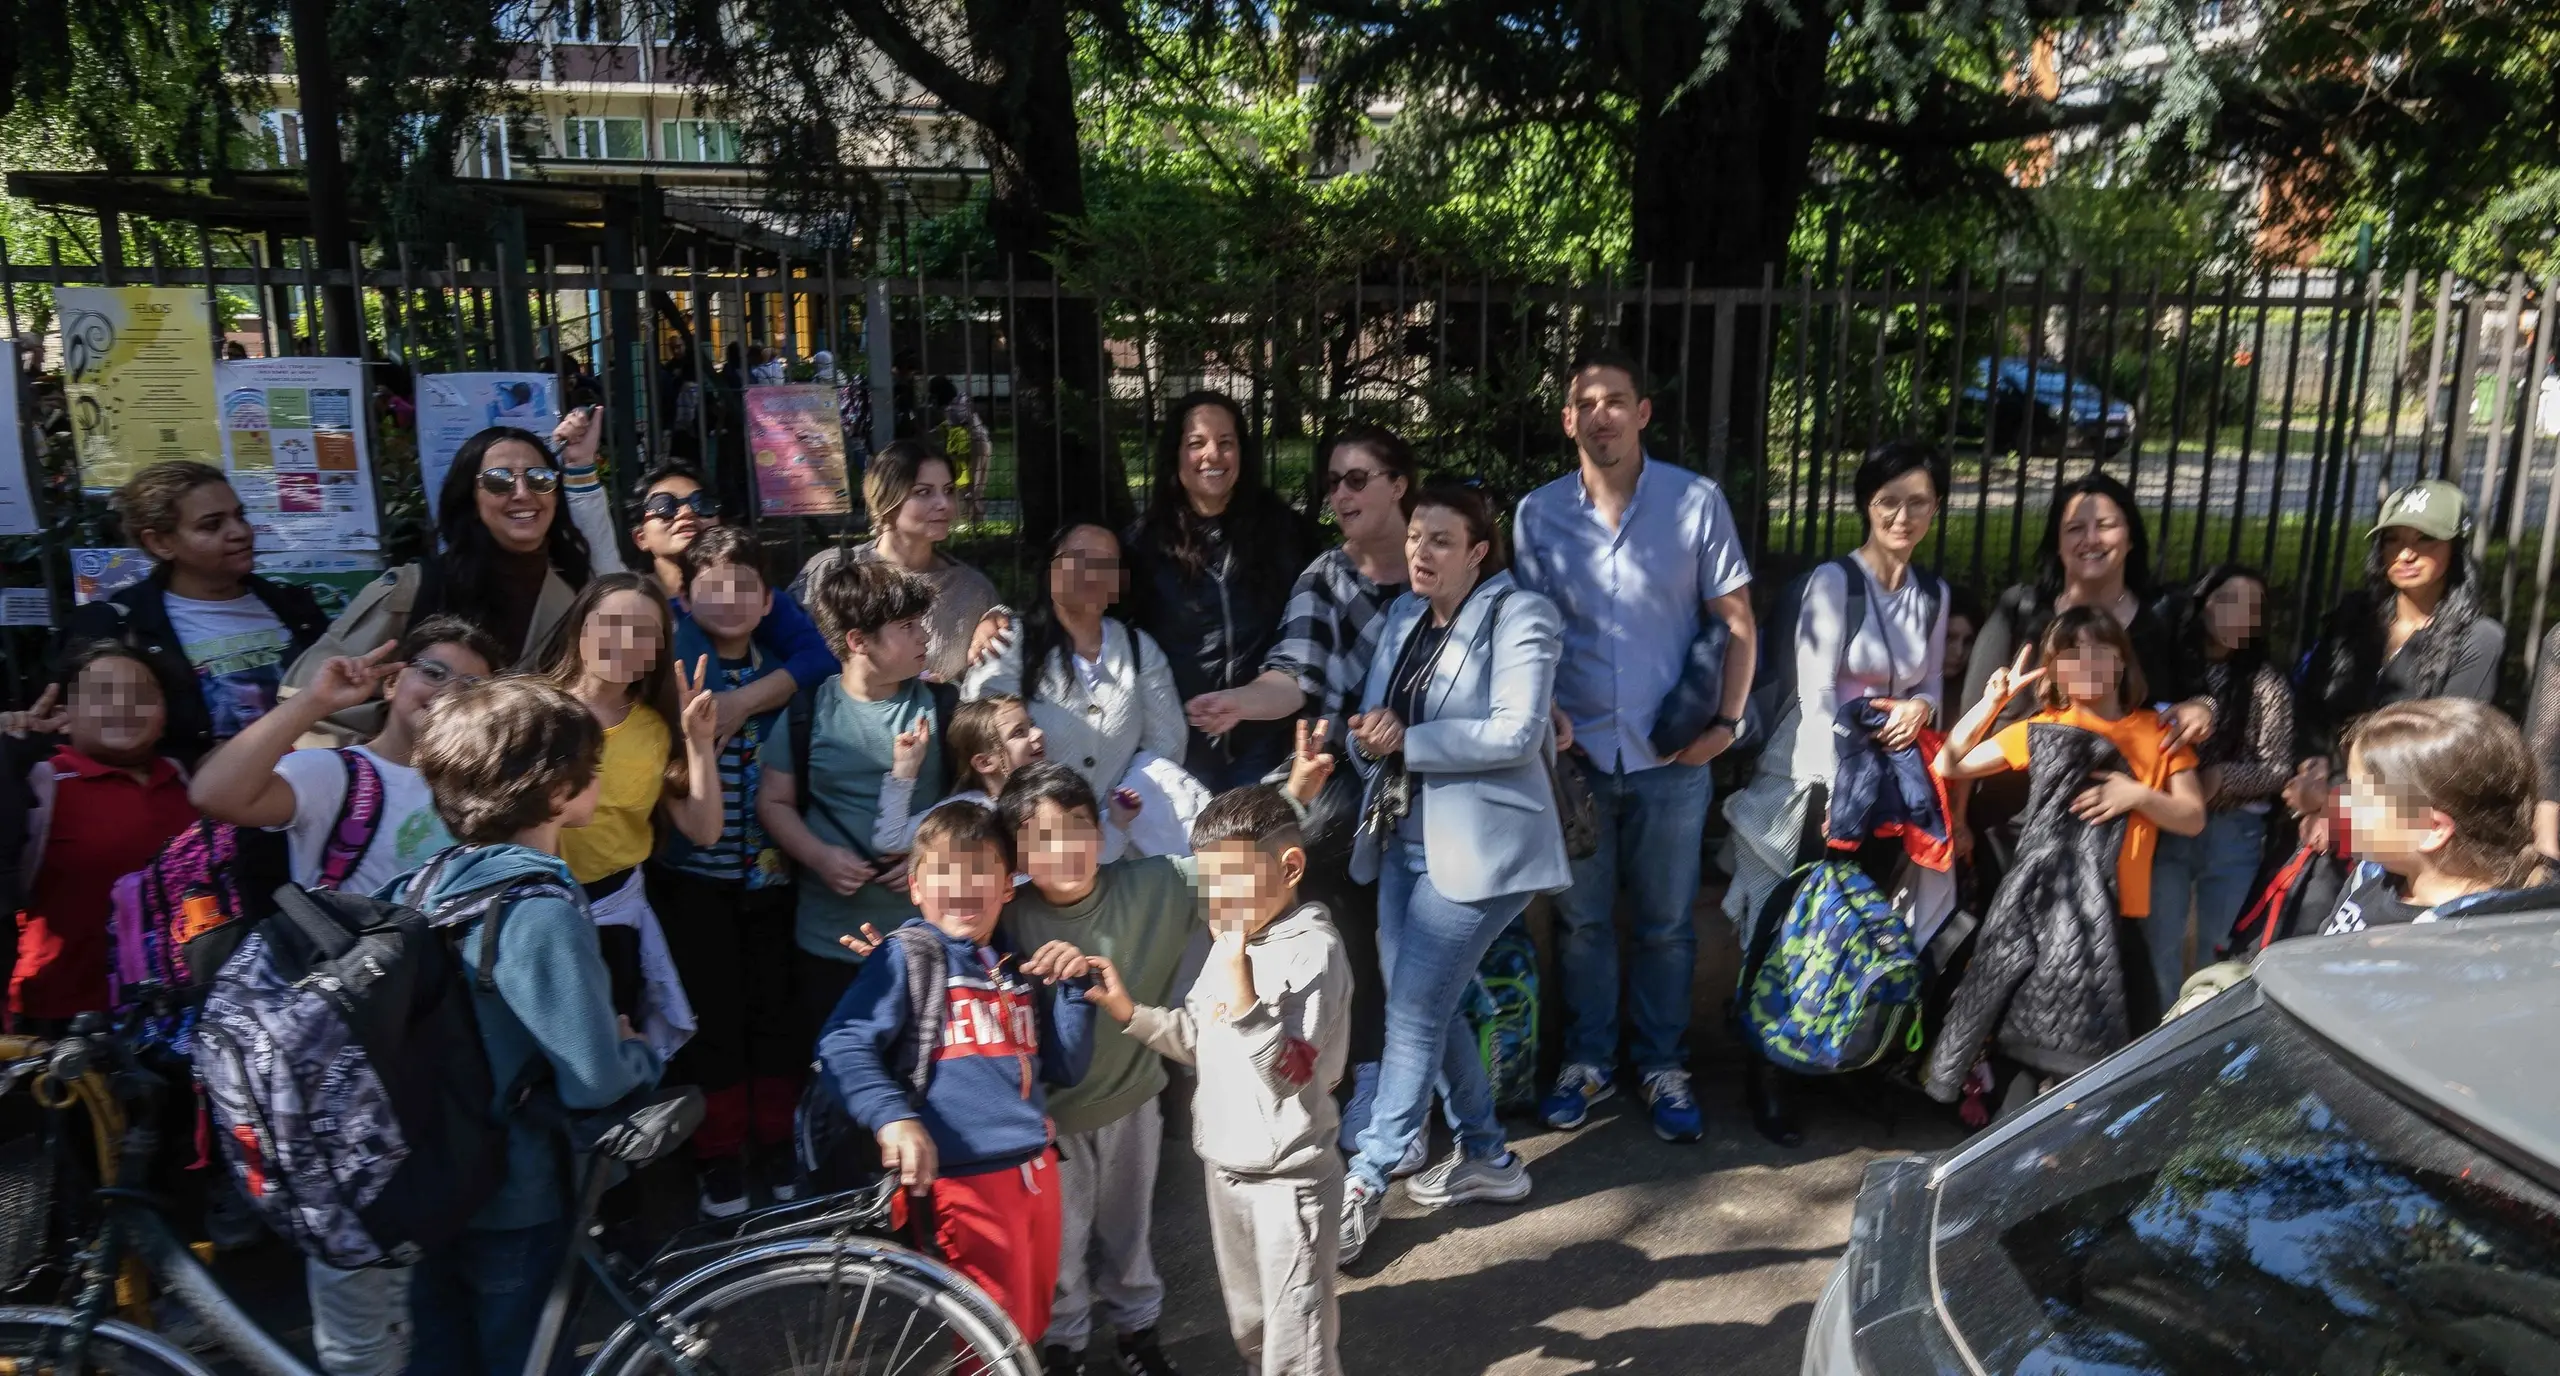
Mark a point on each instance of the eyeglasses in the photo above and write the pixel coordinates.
(541, 480)
(1916, 509)
(443, 675)
(663, 506)
(1356, 479)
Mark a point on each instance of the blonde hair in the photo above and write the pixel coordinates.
(149, 499)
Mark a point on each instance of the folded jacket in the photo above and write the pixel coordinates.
(1877, 792)
(1698, 697)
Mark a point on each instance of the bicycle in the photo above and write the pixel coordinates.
(806, 1289)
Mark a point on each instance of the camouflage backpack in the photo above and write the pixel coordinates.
(1833, 984)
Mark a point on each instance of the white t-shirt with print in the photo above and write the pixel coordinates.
(409, 836)
(238, 649)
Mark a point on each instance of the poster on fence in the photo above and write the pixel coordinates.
(98, 574)
(333, 578)
(18, 514)
(137, 373)
(452, 407)
(294, 442)
(797, 437)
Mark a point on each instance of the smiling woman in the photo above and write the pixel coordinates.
(911, 494)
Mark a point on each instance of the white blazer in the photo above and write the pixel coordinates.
(1480, 754)
(1096, 732)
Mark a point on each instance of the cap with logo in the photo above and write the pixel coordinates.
(2434, 509)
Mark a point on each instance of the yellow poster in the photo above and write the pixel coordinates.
(137, 370)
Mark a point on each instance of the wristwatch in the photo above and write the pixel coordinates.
(1732, 724)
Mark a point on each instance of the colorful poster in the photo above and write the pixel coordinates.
(797, 436)
(137, 372)
(97, 574)
(17, 485)
(295, 444)
(333, 578)
(452, 407)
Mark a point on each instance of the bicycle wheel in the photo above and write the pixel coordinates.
(31, 1342)
(846, 1306)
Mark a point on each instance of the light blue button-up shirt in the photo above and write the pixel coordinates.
(1631, 597)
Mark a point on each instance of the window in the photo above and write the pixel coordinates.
(591, 137)
(585, 21)
(280, 133)
(698, 140)
(2247, 1202)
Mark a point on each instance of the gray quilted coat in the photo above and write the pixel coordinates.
(2045, 981)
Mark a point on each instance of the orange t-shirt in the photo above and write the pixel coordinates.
(2136, 736)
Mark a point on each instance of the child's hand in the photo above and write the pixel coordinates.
(1309, 765)
(841, 870)
(346, 681)
(1056, 961)
(701, 706)
(2004, 684)
(576, 438)
(907, 1149)
(906, 753)
(622, 1024)
(1125, 807)
(1108, 993)
(2115, 795)
(47, 718)
(863, 943)
(894, 874)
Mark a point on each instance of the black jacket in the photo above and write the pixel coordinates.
(138, 617)
(1217, 626)
(2045, 973)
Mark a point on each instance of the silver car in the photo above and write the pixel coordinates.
(2348, 1163)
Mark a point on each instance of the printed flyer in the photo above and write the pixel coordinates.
(18, 514)
(452, 407)
(97, 574)
(137, 373)
(797, 437)
(294, 442)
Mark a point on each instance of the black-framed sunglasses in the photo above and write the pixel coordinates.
(663, 506)
(1356, 479)
(540, 479)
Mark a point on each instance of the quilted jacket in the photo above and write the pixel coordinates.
(2046, 979)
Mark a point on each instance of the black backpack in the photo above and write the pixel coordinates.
(343, 1067)
(1773, 682)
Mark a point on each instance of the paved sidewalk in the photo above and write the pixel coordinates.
(1633, 1255)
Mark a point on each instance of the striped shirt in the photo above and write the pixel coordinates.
(1328, 631)
(743, 854)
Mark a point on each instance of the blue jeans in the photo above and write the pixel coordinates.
(476, 1300)
(1430, 945)
(2204, 877)
(1652, 824)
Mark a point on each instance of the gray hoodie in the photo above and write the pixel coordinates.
(1265, 1104)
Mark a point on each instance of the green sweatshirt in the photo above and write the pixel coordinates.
(1140, 914)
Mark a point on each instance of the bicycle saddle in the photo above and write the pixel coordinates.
(650, 1130)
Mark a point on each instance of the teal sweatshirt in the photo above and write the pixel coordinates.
(553, 999)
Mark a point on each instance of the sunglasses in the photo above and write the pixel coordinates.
(1356, 479)
(663, 506)
(541, 480)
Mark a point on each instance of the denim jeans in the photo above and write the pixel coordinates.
(2213, 869)
(1430, 945)
(1652, 824)
(476, 1300)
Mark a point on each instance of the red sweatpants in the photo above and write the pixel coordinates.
(1000, 1229)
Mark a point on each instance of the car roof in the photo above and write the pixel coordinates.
(2462, 1015)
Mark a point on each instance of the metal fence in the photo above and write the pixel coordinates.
(2257, 416)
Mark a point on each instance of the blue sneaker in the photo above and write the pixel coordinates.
(1568, 1105)
(1676, 1117)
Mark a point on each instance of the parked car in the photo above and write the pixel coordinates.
(2096, 423)
(2348, 1163)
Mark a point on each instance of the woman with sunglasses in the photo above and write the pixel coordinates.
(504, 561)
(672, 509)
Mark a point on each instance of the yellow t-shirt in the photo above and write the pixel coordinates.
(634, 771)
(2136, 736)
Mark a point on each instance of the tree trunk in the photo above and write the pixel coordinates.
(324, 174)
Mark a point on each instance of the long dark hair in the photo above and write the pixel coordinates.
(2137, 556)
(2365, 630)
(461, 575)
(1044, 641)
(1254, 530)
(2231, 696)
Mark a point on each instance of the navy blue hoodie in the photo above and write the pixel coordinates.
(1004, 1037)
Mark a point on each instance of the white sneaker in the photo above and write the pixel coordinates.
(1462, 1179)
(1416, 1157)
(1362, 1206)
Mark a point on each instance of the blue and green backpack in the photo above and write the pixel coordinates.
(1502, 1006)
(1833, 984)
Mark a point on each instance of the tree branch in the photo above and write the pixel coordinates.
(975, 101)
(2023, 119)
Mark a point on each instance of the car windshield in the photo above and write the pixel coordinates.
(2248, 1203)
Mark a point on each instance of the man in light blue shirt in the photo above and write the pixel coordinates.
(1634, 552)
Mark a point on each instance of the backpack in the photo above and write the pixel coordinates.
(1773, 681)
(175, 922)
(1833, 984)
(833, 1150)
(344, 1073)
(804, 716)
(1502, 1006)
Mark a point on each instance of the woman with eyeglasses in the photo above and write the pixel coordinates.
(504, 561)
(1210, 565)
(911, 495)
(1099, 691)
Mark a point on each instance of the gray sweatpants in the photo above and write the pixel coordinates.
(1106, 1204)
(1276, 1237)
(359, 1319)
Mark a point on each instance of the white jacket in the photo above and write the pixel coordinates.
(1096, 733)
